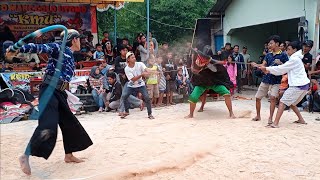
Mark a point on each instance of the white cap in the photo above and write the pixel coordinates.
(129, 54)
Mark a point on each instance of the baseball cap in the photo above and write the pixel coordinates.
(72, 33)
(308, 43)
(129, 54)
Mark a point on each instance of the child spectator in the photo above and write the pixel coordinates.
(152, 81)
(232, 71)
(181, 82)
(98, 55)
(162, 81)
(96, 83)
(105, 38)
(113, 97)
(170, 74)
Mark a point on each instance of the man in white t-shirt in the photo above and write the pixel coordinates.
(135, 71)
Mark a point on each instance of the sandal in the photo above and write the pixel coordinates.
(317, 119)
(299, 122)
(273, 126)
(150, 117)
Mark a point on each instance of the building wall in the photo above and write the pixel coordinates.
(255, 36)
(244, 13)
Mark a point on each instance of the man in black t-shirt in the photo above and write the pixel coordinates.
(307, 58)
(224, 54)
(120, 63)
(170, 73)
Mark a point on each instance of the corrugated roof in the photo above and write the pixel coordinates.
(219, 8)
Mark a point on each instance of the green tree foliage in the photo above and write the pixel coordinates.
(131, 19)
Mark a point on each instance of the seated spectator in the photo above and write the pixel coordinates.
(7, 68)
(96, 83)
(28, 57)
(89, 55)
(37, 67)
(114, 95)
(98, 55)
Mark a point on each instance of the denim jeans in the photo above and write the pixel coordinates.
(133, 101)
(98, 98)
(127, 91)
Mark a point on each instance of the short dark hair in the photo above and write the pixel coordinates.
(97, 45)
(236, 46)
(99, 63)
(275, 38)
(295, 45)
(121, 47)
(105, 32)
(112, 75)
(228, 44)
(165, 43)
(125, 39)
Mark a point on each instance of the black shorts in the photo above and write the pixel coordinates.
(171, 86)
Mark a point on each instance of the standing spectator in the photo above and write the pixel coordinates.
(136, 45)
(142, 48)
(98, 55)
(170, 69)
(105, 38)
(120, 63)
(231, 67)
(113, 97)
(152, 81)
(307, 58)
(283, 47)
(182, 65)
(246, 57)
(155, 43)
(227, 51)
(241, 67)
(162, 81)
(164, 50)
(135, 71)
(270, 83)
(96, 83)
(125, 42)
(90, 41)
(108, 52)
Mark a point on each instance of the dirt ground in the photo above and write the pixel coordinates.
(210, 146)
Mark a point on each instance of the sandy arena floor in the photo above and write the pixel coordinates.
(170, 147)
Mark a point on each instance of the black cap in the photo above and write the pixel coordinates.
(72, 33)
(308, 43)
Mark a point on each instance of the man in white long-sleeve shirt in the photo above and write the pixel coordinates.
(297, 79)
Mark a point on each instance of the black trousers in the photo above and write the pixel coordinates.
(57, 112)
(239, 80)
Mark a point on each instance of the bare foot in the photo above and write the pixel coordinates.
(189, 116)
(24, 164)
(200, 110)
(273, 126)
(232, 116)
(256, 118)
(270, 121)
(72, 159)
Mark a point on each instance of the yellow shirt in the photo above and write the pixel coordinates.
(153, 78)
